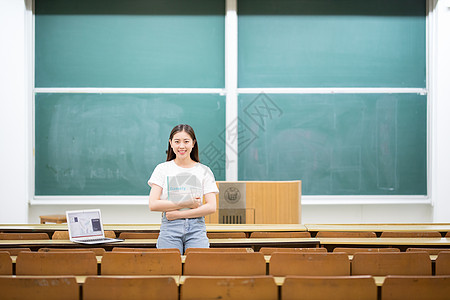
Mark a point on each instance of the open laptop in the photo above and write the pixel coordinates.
(86, 227)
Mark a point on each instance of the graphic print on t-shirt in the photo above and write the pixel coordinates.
(181, 186)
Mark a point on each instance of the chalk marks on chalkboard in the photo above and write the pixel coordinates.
(386, 143)
(346, 169)
(342, 144)
(108, 144)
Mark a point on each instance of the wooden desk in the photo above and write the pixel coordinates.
(379, 280)
(179, 280)
(183, 258)
(254, 227)
(118, 228)
(256, 244)
(378, 228)
(401, 243)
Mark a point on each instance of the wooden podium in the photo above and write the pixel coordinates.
(257, 202)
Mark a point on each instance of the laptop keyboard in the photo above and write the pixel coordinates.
(95, 240)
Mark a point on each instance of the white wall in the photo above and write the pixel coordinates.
(13, 114)
(441, 164)
(15, 144)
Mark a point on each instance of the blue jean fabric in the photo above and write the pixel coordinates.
(182, 234)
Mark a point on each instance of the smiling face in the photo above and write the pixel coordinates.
(182, 135)
(182, 144)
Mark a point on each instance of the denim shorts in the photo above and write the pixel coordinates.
(182, 234)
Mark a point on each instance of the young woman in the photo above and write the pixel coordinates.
(175, 186)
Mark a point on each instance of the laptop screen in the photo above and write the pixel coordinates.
(84, 223)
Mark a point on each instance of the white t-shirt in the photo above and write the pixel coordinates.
(177, 182)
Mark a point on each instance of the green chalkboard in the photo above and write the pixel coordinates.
(135, 43)
(332, 43)
(336, 144)
(108, 144)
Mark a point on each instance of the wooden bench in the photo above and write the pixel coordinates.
(230, 288)
(127, 249)
(24, 236)
(391, 263)
(6, 266)
(443, 263)
(411, 234)
(138, 235)
(329, 287)
(225, 264)
(15, 251)
(309, 264)
(226, 235)
(430, 251)
(97, 251)
(39, 288)
(130, 287)
(346, 234)
(212, 250)
(56, 263)
(141, 263)
(271, 250)
(351, 250)
(64, 235)
(416, 288)
(280, 234)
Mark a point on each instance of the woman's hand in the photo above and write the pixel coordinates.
(172, 215)
(192, 203)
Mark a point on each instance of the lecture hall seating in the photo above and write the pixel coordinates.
(138, 235)
(353, 250)
(24, 236)
(209, 250)
(39, 288)
(229, 288)
(127, 249)
(64, 235)
(416, 288)
(271, 250)
(56, 263)
(346, 234)
(226, 235)
(141, 263)
(391, 263)
(430, 251)
(309, 264)
(443, 263)
(97, 251)
(15, 251)
(225, 264)
(6, 267)
(329, 287)
(130, 288)
(280, 234)
(410, 234)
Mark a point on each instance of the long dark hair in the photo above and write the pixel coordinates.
(188, 129)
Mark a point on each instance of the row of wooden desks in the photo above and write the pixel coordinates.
(313, 228)
(179, 279)
(183, 258)
(379, 228)
(401, 243)
(118, 228)
(256, 244)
